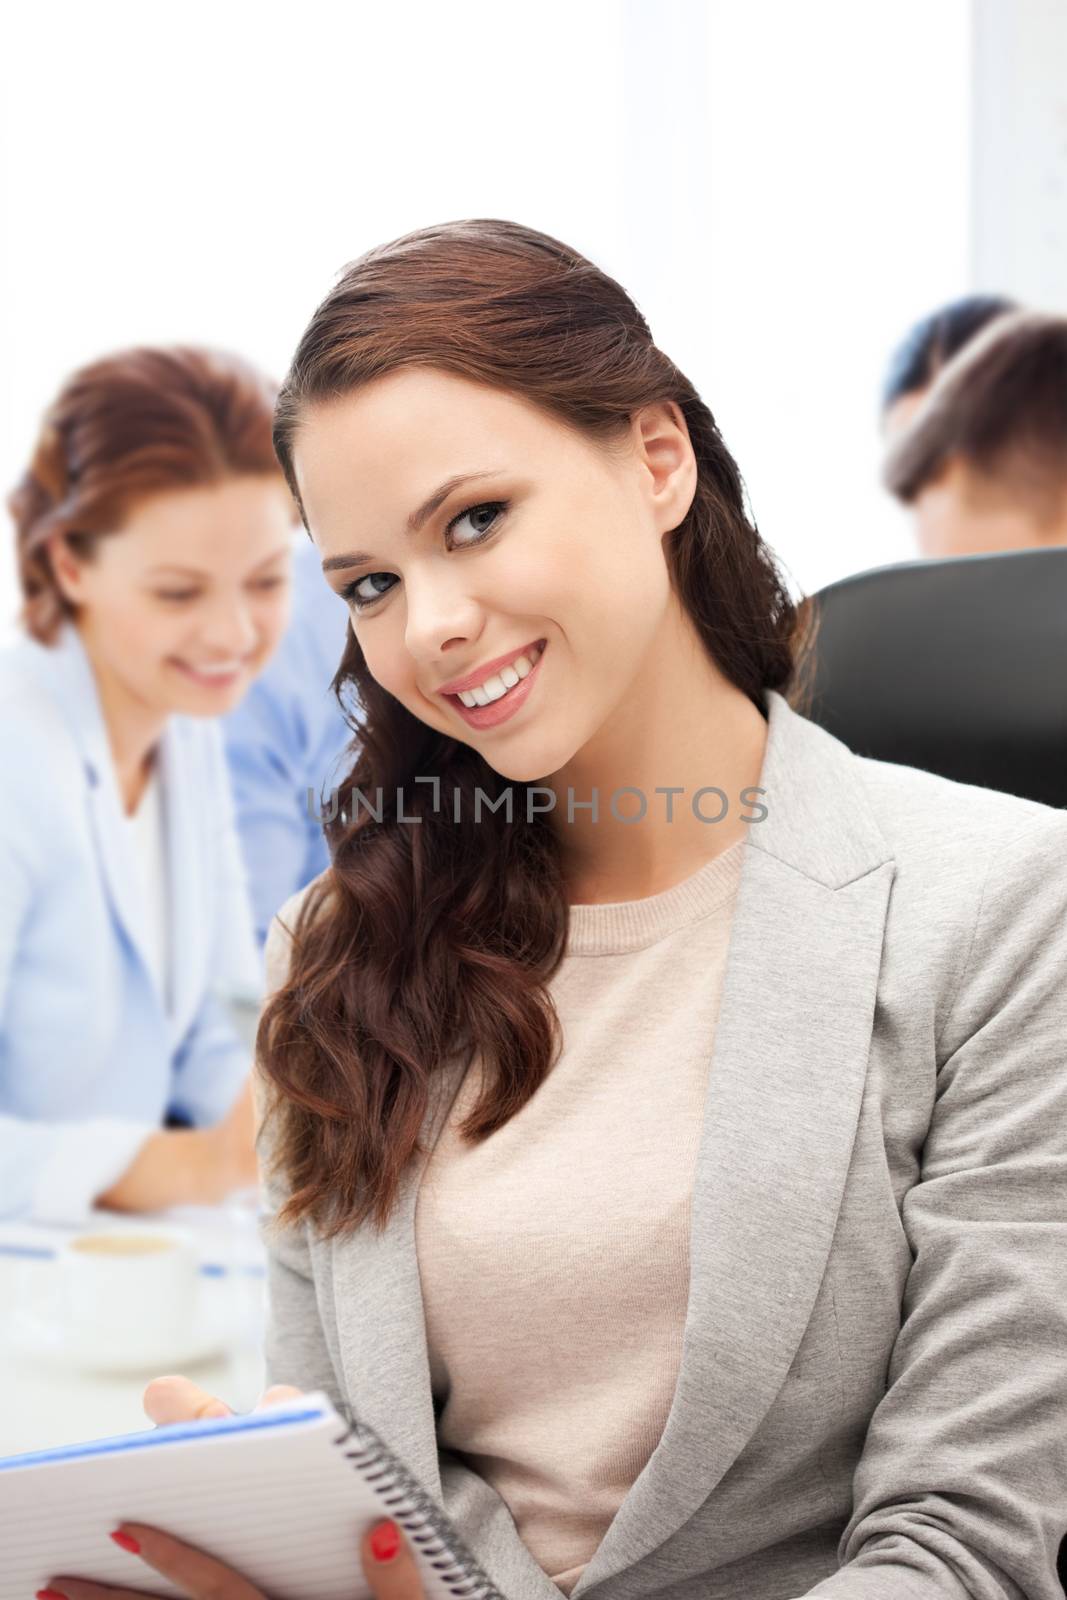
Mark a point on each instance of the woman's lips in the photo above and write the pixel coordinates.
(210, 680)
(498, 711)
(493, 668)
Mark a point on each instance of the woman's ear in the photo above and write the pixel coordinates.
(665, 452)
(67, 568)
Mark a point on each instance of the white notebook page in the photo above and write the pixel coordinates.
(270, 1494)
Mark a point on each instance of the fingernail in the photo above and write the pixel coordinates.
(124, 1542)
(50, 1594)
(219, 1409)
(385, 1541)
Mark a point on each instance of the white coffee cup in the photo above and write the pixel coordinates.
(129, 1290)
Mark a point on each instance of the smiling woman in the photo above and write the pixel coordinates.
(680, 1196)
(153, 534)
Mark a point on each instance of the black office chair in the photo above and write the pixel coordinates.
(956, 666)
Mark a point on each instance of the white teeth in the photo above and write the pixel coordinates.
(500, 682)
(218, 672)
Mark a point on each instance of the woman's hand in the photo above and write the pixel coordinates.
(386, 1558)
(177, 1399)
(387, 1561)
(190, 1166)
(234, 1139)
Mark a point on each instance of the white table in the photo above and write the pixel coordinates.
(44, 1405)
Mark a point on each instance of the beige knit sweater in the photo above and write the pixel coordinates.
(554, 1256)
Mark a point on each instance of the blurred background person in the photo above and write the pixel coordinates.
(926, 348)
(153, 533)
(283, 740)
(983, 462)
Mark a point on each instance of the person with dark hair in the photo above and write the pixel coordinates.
(662, 1106)
(153, 537)
(926, 348)
(983, 462)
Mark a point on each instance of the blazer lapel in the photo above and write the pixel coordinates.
(785, 1085)
(66, 673)
(187, 890)
(382, 1326)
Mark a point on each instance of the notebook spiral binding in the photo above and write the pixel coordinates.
(421, 1519)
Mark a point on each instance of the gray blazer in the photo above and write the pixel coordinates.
(872, 1400)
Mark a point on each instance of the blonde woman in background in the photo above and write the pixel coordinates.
(153, 536)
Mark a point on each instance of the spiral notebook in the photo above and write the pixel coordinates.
(283, 1495)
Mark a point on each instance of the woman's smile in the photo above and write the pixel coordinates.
(221, 676)
(499, 695)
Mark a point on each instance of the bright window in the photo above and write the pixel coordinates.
(782, 188)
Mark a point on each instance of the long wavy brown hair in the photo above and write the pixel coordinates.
(430, 943)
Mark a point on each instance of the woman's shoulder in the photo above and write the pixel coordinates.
(44, 831)
(925, 817)
(846, 812)
(978, 874)
(36, 738)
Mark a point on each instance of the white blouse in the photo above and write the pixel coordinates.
(148, 838)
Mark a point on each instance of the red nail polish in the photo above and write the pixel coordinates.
(385, 1541)
(124, 1542)
(50, 1594)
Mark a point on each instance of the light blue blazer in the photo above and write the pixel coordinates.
(91, 1060)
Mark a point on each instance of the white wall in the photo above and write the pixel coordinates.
(837, 203)
(1020, 150)
(783, 188)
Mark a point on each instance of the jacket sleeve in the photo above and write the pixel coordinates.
(213, 1058)
(961, 1487)
(269, 765)
(53, 1171)
(296, 1347)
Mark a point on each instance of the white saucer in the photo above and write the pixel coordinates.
(33, 1334)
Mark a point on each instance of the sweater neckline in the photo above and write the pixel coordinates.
(619, 926)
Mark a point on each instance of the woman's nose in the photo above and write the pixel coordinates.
(230, 628)
(438, 610)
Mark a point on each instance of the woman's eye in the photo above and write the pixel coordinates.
(267, 584)
(176, 594)
(355, 595)
(495, 507)
(353, 592)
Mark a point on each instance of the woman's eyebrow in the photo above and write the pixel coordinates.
(282, 550)
(355, 558)
(172, 569)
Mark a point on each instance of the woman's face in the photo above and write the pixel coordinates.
(544, 548)
(182, 607)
